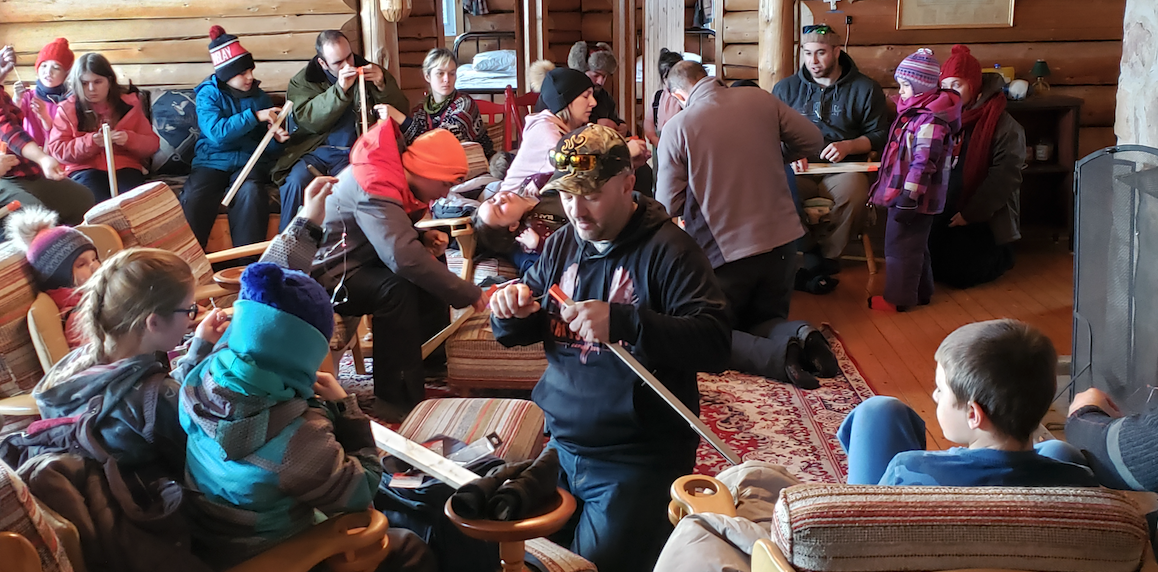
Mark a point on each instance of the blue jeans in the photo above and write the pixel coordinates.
(876, 430)
(97, 181)
(620, 521)
(326, 159)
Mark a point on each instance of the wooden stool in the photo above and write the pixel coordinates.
(512, 534)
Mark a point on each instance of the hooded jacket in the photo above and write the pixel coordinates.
(915, 165)
(666, 308)
(542, 131)
(723, 171)
(373, 208)
(854, 105)
(31, 121)
(998, 197)
(319, 104)
(77, 150)
(230, 130)
(263, 454)
(138, 424)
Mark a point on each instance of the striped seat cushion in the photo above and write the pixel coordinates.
(484, 268)
(821, 527)
(20, 513)
(19, 367)
(475, 359)
(150, 216)
(518, 422)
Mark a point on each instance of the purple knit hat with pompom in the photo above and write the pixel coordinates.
(52, 254)
(921, 70)
(290, 291)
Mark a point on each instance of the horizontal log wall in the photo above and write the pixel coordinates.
(165, 43)
(417, 35)
(1081, 40)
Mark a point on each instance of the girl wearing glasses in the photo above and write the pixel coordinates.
(138, 303)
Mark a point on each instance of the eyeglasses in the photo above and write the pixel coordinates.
(818, 29)
(192, 311)
(574, 162)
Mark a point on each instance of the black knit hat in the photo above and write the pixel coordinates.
(562, 86)
(229, 58)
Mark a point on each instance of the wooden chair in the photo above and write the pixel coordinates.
(512, 536)
(348, 543)
(513, 110)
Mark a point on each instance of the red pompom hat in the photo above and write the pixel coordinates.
(962, 64)
(56, 50)
(229, 58)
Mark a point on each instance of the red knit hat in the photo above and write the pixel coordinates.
(229, 58)
(962, 64)
(56, 50)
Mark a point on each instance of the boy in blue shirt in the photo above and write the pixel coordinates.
(995, 383)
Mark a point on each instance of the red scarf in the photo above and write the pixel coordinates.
(977, 159)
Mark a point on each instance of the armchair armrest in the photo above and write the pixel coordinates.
(767, 557)
(19, 406)
(691, 494)
(255, 249)
(350, 542)
(461, 230)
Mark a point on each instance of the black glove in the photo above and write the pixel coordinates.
(906, 209)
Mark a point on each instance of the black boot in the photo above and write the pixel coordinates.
(818, 357)
(794, 370)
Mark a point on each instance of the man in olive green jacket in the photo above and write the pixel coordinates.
(326, 116)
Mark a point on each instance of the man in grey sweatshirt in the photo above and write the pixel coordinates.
(720, 166)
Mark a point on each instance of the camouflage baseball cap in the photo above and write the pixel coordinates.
(586, 158)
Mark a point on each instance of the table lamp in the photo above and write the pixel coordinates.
(1041, 71)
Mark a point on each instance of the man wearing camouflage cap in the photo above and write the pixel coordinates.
(638, 281)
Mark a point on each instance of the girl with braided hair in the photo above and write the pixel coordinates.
(138, 304)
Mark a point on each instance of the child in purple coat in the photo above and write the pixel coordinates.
(913, 179)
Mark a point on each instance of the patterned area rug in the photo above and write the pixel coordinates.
(780, 423)
(763, 420)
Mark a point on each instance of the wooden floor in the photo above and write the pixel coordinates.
(895, 351)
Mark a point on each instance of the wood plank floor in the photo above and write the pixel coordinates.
(895, 351)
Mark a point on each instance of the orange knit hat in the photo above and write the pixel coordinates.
(436, 155)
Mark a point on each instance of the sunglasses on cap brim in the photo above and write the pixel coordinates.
(818, 29)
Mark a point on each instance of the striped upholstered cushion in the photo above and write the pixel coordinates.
(518, 422)
(19, 367)
(150, 216)
(871, 528)
(19, 513)
(483, 268)
(475, 359)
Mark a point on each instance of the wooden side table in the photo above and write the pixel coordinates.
(511, 535)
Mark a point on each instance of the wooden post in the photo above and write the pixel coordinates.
(623, 45)
(777, 23)
(379, 37)
(534, 35)
(240, 180)
(663, 27)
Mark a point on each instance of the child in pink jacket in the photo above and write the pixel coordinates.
(76, 139)
(40, 102)
(914, 178)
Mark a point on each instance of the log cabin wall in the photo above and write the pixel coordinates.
(418, 34)
(165, 43)
(1081, 40)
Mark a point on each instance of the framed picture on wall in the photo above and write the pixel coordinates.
(926, 14)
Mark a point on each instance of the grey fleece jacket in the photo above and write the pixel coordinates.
(378, 231)
(720, 165)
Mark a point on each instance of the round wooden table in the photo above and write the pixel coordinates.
(512, 534)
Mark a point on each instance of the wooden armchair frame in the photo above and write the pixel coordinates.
(353, 542)
(461, 230)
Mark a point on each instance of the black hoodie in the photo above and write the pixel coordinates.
(666, 308)
(852, 106)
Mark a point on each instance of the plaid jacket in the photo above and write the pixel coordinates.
(12, 132)
(917, 159)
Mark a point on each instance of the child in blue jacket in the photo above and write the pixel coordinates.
(233, 114)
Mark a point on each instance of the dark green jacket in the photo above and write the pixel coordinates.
(319, 103)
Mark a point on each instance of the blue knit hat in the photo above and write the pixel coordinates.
(921, 70)
(291, 292)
